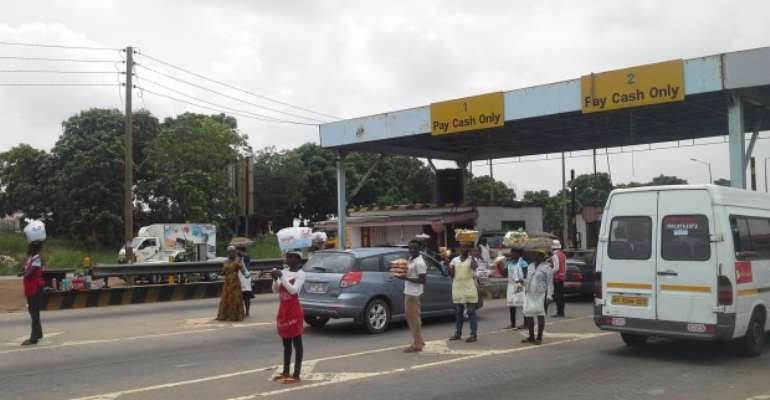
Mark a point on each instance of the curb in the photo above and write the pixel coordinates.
(140, 295)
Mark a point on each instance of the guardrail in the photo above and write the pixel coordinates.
(171, 268)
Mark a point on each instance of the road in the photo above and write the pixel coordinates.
(176, 350)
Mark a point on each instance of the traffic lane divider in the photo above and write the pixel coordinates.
(140, 295)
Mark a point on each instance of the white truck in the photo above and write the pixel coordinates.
(159, 242)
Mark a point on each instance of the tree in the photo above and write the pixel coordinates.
(722, 182)
(319, 194)
(86, 166)
(553, 220)
(479, 191)
(186, 170)
(23, 181)
(662, 180)
(592, 190)
(279, 180)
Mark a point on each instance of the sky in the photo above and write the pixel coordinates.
(348, 59)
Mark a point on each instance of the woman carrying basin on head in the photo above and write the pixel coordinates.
(291, 319)
(231, 302)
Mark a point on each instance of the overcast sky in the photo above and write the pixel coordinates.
(349, 59)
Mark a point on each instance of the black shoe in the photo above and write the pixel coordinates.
(528, 340)
(29, 342)
(472, 339)
(455, 337)
(538, 341)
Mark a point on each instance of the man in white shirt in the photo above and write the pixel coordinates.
(414, 281)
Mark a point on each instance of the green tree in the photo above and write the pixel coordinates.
(592, 190)
(279, 180)
(722, 182)
(319, 194)
(186, 170)
(86, 166)
(479, 190)
(23, 181)
(662, 180)
(553, 220)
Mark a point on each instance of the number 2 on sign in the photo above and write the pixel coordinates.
(631, 78)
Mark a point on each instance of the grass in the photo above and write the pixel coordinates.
(61, 253)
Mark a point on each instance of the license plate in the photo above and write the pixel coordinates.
(316, 288)
(630, 301)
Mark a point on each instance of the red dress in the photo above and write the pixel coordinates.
(291, 318)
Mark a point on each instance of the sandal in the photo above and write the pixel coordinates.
(290, 380)
(279, 377)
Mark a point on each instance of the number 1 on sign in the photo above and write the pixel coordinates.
(465, 106)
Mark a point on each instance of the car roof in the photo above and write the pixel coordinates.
(362, 252)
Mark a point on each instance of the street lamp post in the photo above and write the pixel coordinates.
(708, 164)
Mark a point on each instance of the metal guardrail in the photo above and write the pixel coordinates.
(172, 268)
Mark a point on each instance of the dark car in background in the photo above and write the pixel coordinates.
(357, 284)
(579, 278)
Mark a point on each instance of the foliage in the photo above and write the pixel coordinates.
(592, 190)
(86, 198)
(722, 182)
(553, 220)
(278, 181)
(59, 252)
(319, 198)
(23, 178)
(478, 191)
(186, 167)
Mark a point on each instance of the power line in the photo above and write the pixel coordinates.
(83, 60)
(57, 46)
(263, 97)
(50, 71)
(266, 117)
(246, 115)
(223, 94)
(58, 84)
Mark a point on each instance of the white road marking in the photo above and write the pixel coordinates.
(43, 346)
(17, 341)
(349, 376)
(338, 377)
(760, 397)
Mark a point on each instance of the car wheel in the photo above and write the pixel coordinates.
(633, 340)
(753, 343)
(316, 321)
(376, 317)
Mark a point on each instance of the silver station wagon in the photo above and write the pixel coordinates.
(357, 284)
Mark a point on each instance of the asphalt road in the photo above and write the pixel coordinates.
(177, 350)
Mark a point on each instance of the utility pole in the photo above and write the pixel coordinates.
(565, 221)
(594, 162)
(128, 182)
(492, 186)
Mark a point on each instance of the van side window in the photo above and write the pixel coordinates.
(685, 238)
(630, 238)
(751, 237)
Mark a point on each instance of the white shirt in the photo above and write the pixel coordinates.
(415, 267)
(485, 253)
(286, 275)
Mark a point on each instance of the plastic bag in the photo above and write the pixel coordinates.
(35, 231)
(294, 238)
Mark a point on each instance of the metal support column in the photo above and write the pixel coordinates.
(342, 207)
(736, 142)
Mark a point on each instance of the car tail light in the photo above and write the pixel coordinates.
(724, 291)
(598, 285)
(351, 278)
(575, 276)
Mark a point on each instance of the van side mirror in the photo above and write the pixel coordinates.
(716, 237)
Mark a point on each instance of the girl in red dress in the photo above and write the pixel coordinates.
(291, 320)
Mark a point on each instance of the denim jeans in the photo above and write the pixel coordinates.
(460, 318)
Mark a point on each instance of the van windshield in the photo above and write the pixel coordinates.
(329, 263)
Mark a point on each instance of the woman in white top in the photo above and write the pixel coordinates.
(291, 319)
(538, 288)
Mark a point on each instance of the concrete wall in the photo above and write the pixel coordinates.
(491, 218)
(393, 235)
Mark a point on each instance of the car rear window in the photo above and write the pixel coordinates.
(329, 263)
(630, 238)
(685, 238)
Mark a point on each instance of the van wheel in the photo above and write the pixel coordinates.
(376, 318)
(753, 343)
(316, 321)
(633, 340)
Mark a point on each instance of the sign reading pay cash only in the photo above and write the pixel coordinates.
(469, 113)
(633, 87)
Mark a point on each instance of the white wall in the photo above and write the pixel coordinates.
(490, 218)
(393, 235)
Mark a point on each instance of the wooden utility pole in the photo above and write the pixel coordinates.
(492, 185)
(128, 182)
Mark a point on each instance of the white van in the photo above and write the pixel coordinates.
(688, 261)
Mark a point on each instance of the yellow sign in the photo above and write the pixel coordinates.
(633, 87)
(469, 113)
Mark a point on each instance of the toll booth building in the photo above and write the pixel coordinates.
(397, 225)
(675, 101)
